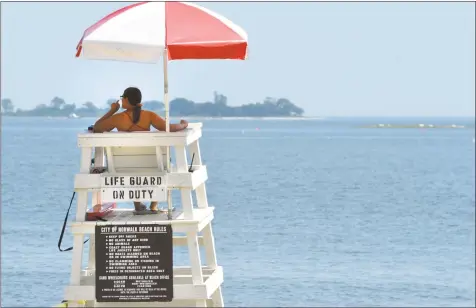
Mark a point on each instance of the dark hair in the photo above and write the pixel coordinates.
(136, 114)
(134, 96)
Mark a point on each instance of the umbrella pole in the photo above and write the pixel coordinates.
(167, 129)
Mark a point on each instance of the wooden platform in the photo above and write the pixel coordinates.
(202, 217)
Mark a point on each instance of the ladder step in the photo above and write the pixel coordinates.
(125, 216)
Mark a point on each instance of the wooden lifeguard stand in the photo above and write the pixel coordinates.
(136, 154)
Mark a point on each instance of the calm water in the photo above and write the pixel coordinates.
(308, 213)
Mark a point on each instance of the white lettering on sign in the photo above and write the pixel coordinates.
(133, 188)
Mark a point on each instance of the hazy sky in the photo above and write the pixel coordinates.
(332, 59)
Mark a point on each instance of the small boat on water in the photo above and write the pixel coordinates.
(73, 116)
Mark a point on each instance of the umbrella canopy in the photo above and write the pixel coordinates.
(141, 32)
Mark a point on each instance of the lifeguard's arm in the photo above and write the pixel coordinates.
(159, 124)
(106, 123)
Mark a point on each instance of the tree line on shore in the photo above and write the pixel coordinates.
(269, 107)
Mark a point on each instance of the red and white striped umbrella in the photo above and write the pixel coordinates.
(141, 32)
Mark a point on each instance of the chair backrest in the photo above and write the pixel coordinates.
(136, 159)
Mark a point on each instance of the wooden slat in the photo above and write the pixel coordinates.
(128, 151)
(180, 225)
(117, 216)
(159, 155)
(141, 139)
(138, 171)
(174, 180)
(110, 160)
(135, 161)
(122, 219)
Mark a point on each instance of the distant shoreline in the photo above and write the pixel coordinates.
(269, 107)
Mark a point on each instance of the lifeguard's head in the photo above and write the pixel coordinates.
(131, 98)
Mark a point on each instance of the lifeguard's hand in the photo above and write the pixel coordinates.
(184, 123)
(115, 106)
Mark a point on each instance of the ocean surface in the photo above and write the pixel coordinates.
(308, 212)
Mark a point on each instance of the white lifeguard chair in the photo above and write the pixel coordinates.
(136, 154)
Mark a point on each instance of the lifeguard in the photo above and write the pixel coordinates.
(133, 119)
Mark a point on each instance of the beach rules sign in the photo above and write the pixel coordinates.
(134, 263)
(116, 188)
